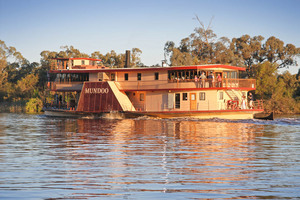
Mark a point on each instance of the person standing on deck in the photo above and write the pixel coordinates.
(250, 100)
(219, 80)
(196, 80)
(203, 77)
(243, 103)
(210, 79)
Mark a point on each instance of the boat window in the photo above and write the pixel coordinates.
(71, 77)
(184, 96)
(202, 96)
(228, 74)
(182, 75)
(113, 76)
(193, 97)
(221, 96)
(126, 77)
(142, 97)
(177, 100)
(100, 76)
(139, 76)
(82, 62)
(156, 76)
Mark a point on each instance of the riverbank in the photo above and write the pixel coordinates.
(284, 106)
(13, 107)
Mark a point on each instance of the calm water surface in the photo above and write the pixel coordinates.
(144, 158)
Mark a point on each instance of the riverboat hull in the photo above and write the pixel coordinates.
(76, 114)
(221, 114)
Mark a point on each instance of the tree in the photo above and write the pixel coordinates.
(135, 57)
(252, 51)
(71, 52)
(202, 41)
(168, 49)
(266, 79)
(27, 85)
(178, 58)
(222, 52)
(290, 83)
(5, 54)
(34, 105)
(275, 52)
(247, 51)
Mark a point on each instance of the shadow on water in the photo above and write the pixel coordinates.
(148, 158)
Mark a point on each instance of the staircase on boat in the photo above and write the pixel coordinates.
(121, 97)
(232, 95)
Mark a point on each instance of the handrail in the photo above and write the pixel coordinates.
(186, 84)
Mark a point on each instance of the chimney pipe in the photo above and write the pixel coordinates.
(127, 59)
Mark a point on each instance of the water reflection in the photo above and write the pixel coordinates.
(143, 152)
(147, 158)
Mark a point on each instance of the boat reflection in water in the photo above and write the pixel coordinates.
(145, 157)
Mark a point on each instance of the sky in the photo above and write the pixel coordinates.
(32, 26)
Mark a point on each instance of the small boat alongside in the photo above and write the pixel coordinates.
(83, 87)
(264, 116)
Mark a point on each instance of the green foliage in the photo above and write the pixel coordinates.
(265, 75)
(27, 85)
(179, 59)
(34, 105)
(245, 51)
(280, 92)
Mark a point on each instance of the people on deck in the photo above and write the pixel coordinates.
(219, 80)
(203, 77)
(251, 100)
(243, 103)
(196, 80)
(211, 79)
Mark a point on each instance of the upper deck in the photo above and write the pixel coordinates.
(71, 76)
(76, 63)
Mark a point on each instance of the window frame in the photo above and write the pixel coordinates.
(184, 96)
(221, 95)
(202, 96)
(139, 76)
(156, 76)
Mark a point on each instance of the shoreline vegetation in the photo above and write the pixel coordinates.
(23, 85)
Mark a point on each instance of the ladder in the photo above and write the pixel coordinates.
(232, 95)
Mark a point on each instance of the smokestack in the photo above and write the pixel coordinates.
(127, 59)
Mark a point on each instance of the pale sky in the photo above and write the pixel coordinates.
(32, 26)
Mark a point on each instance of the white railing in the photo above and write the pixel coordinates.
(185, 84)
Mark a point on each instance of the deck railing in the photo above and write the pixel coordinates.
(229, 105)
(185, 84)
(166, 85)
(65, 86)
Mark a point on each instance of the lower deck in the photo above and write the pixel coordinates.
(194, 100)
(106, 97)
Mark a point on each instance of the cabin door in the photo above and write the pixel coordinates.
(193, 101)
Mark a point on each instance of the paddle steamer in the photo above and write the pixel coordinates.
(84, 87)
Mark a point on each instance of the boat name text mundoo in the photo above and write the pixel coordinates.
(96, 90)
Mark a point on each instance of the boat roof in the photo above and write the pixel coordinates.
(93, 59)
(211, 67)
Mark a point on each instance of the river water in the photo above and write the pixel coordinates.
(147, 158)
